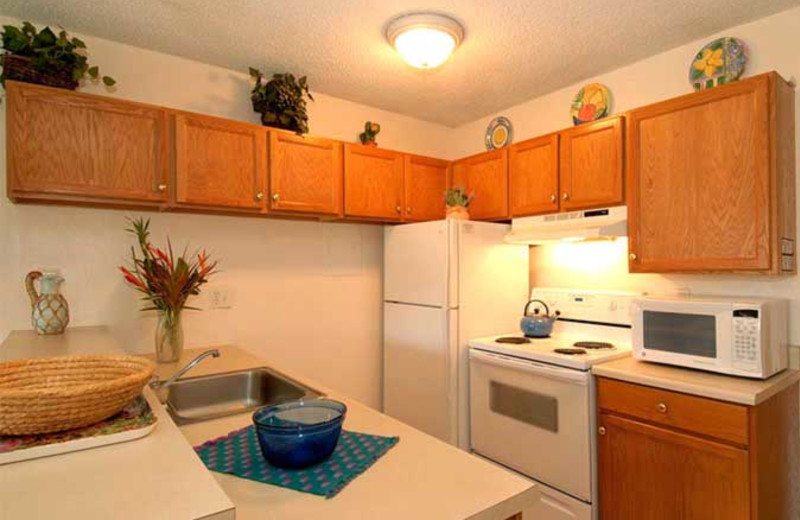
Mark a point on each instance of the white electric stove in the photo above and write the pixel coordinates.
(532, 400)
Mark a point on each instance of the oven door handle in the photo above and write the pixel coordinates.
(532, 367)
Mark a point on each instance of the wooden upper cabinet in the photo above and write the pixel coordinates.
(373, 183)
(486, 176)
(425, 184)
(712, 182)
(220, 163)
(78, 147)
(592, 165)
(305, 174)
(533, 176)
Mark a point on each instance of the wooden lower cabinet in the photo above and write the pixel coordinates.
(373, 183)
(424, 187)
(220, 163)
(654, 464)
(486, 177)
(711, 180)
(70, 147)
(305, 174)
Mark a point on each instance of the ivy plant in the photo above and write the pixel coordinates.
(458, 197)
(281, 101)
(50, 53)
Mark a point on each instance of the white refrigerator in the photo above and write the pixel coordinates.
(445, 282)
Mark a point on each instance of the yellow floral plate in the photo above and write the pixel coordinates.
(719, 62)
(592, 102)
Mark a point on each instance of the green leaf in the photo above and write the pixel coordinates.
(77, 42)
(93, 71)
(255, 72)
(109, 81)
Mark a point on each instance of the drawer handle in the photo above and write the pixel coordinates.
(397, 209)
(259, 196)
(565, 196)
(276, 197)
(161, 187)
(662, 407)
(408, 210)
(633, 257)
(553, 198)
(601, 430)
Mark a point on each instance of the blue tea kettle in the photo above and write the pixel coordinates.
(538, 325)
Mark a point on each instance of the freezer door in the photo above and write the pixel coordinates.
(418, 380)
(415, 263)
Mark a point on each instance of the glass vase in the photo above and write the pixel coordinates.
(169, 337)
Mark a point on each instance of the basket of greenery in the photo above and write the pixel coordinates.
(281, 101)
(45, 58)
(457, 201)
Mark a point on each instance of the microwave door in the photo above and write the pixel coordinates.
(683, 334)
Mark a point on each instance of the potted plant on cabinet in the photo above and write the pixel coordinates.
(166, 282)
(371, 131)
(45, 58)
(281, 101)
(457, 201)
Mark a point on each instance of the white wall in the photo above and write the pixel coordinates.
(306, 295)
(773, 44)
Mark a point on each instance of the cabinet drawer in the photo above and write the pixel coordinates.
(708, 417)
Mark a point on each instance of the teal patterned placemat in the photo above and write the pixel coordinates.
(238, 454)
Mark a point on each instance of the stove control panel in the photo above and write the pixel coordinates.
(610, 307)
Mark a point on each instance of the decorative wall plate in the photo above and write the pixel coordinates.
(499, 133)
(717, 63)
(593, 101)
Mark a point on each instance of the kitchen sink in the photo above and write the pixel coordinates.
(202, 398)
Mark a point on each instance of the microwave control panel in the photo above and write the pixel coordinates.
(746, 335)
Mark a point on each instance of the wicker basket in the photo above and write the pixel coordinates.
(19, 68)
(61, 393)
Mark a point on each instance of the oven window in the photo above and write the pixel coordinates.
(523, 405)
(692, 334)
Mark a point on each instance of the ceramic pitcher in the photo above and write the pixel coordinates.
(50, 312)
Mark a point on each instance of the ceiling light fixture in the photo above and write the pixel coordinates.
(425, 40)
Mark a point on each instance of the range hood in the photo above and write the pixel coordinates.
(591, 224)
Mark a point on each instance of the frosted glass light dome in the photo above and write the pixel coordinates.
(425, 41)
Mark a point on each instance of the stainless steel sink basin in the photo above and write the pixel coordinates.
(207, 397)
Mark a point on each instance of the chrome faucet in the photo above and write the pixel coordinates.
(155, 384)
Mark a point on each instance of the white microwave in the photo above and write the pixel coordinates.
(739, 336)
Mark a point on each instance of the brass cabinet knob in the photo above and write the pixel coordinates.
(408, 210)
(662, 407)
(397, 209)
(553, 197)
(565, 196)
(259, 196)
(161, 187)
(276, 196)
(633, 257)
(601, 430)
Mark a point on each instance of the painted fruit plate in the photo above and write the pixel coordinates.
(592, 102)
(499, 133)
(719, 62)
(134, 421)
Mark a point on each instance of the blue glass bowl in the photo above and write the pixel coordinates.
(298, 434)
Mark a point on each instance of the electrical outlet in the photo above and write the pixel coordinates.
(219, 298)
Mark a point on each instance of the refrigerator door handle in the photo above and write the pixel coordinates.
(532, 367)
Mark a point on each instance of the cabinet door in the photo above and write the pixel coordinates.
(373, 183)
(305, 174)
(425, 184)
(485, 176)
(220, 163)
(592, 165)
(698, 172)
(74, 146)
(654, 473)
(533, 176)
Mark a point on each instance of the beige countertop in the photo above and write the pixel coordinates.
(704, 384)
(420, 478)
(155, 477)
(160, 476)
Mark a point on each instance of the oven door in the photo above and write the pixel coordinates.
(534, 418)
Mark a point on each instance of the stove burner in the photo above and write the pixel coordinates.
(569, 351)
(516, 340)
(593, 345)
